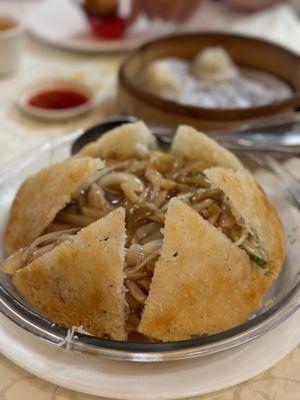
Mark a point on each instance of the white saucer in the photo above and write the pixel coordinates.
(56, 115)
(157, 381)
(48, 23)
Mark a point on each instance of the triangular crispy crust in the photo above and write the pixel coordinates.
(250, 202)
(202, 283)
(42, 196)
(128, 140)
(81, 281)
(195, 145)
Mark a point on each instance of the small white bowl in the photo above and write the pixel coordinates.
(58, 115)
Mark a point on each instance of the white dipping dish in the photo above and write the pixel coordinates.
(59, 114)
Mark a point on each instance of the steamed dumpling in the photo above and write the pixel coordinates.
(160, 78)
(214, 64)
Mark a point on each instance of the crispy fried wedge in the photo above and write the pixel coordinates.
(80, 282)
(202, 284)
(194, 145)
(128, 140)
(250, 204)
(42, 196)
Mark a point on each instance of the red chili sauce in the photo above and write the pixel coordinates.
(57, 99)
(108, 27)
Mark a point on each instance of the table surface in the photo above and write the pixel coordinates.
(19, 133)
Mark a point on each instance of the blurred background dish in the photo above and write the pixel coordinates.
(211, 80)
(86, 31)
(56, 99)
(255, 55)
(108, 20)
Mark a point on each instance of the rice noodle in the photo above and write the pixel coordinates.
(96, 197)
(152, 246)
(81, 200)
(242, 238)
(214, 213)
(158, 217)
(191, 167)
(57, 226)
(118, 178)
(156, 178)
(133, 321)
(136, 166)
(160, 198)
(132, 273)
(99, 174)
(145, 230)
(202, 205)
(134, 305)
(48, 238)
(13, 262)
(75, 219)
(129, 192)
(154, 236)
(226, 219)
(136, 292)
(144, 195)
(252, 247)
(143, 263)
(136, 274)
(144, 282)
(40, 246)
(39, 252)
(135, 254)
(185, 197)
(92, 212)
(206, 194)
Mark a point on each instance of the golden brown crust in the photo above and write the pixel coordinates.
(42, 196)
(251, 203)
(202, 283)
(128, 140)
(195, 145)
(80, 282)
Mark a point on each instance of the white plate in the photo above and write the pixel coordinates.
(48, 22)
(156, 381)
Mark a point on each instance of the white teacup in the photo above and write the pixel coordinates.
(11, 32)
